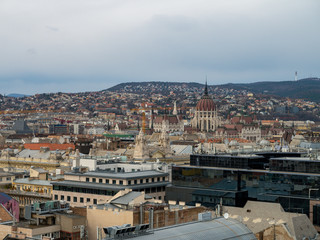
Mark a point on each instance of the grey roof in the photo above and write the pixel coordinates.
(105, 205)
(182, 149)
(20, 126)
(121, 175)
(105, 186)
(40, 170)
(308, 145)
(218, 229)
(126, 199)
(32, 182)
(27, 153)
(6, 174)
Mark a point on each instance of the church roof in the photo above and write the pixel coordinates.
(173, 119)
(206, 103)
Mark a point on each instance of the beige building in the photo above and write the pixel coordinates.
(27, 158)
(6, 178)
(54, 222)
(128, 207)
(96, 187)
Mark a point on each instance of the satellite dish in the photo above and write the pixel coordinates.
(226, 215)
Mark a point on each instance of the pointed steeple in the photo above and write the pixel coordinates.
(206, 88)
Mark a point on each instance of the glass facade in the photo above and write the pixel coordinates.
(226, 161)
(294, 165)
(208, 185)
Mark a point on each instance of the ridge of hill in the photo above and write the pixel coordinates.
(308, 88)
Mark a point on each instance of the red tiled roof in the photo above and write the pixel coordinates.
(51, 146)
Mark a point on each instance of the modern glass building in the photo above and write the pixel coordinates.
(291, 180)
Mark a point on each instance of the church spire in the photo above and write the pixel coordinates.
(206, 88)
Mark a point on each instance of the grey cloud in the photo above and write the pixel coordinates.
(54, 29)
(31, 51)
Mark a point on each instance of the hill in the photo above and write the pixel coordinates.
(308, 89)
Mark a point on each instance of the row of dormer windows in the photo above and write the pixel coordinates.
(126, 182)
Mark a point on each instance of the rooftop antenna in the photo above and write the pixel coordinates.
(296, 76)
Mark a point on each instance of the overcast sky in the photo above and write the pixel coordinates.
(90, 45)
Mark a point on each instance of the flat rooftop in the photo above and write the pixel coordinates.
(121, 175)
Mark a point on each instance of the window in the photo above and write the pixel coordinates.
(147, 180)
(113, 181)
(100, 180)
(8, 178)
(129, 182)
(152, 179)
(55, 197)
(88, 199)
(75, 199)
(62, 197)
(94, 201)
(87, 179)
(93, 180)
(68, 198)
(163, 178)
(158, 179)
(121, 182)
(135, 182)
(81, 199)
(107, 181)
